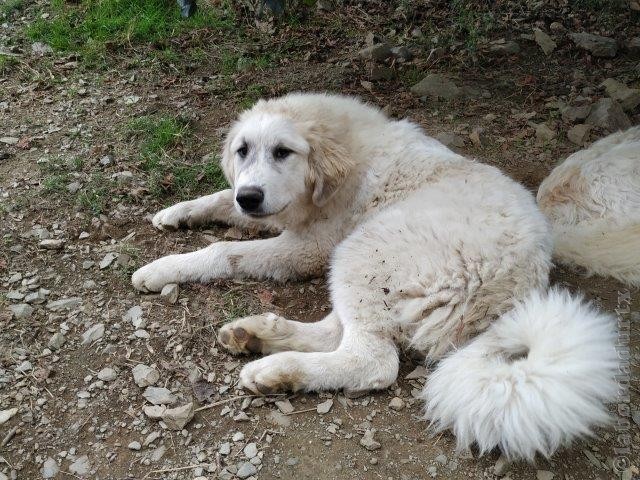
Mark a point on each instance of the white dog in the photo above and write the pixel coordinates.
(593, 202)
(427, 248)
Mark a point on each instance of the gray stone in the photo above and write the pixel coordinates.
(634, 46)
(597, 45)
(169, 293)
(64, 303)
(437, 85)
(74, 187)
(135, 445)
(628, 98)
(154, 412)
(134, 315)
(87, 264)
(41, 49)
(144, 375)
(49, 468)
(15, 295)
(107, 374)
(576, 113)
(396, 404)
(37, 298)
(251, 450)
(177, 418)
(378, 51)
(107, 260)
(158, 453)
(159, 396)
(544, 133)
(324, 407)
(368, 441)
(225, 448)
(6, 415)
(21, 311)
(9, 140)
(246, 470)
(579, 134)
(607, 113)
(52, 244)
(25, 366)
(56, 341)
(81, 466)
(94, 333)
(285, 406)
(544, 41)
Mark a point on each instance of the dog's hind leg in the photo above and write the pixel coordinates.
(363, 361)
(270, 333)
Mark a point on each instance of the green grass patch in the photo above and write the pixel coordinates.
(252, 94)
(169, 173)
(94, 196)
(471, 22)
(7, 63)
(10, 6)
(93, 25)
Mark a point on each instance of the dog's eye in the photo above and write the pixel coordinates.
(242, 151)
(280, 153)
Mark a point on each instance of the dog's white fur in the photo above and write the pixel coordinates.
(427, 250)
(593, 202)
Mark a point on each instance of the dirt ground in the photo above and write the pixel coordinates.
(75, 202)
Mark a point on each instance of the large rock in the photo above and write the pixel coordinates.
(628, 98)
(607, 113)
(545, 42)
(144, 375)
(177, 418)
(64, 304)
(438, 86)
(81, 466)
(21, 311)
(598, 46)
(579, 134)
(573, 114)
(49, 468)
(379, 52)
(159, 396)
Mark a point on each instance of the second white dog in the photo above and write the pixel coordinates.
(428, 250)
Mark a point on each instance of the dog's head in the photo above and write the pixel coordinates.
(277, 163)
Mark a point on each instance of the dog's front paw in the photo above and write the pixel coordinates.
(273, 374)
(155, 275)
(181, 215)
(254, 334)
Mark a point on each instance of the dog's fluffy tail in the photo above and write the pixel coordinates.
(540, 376)
(601, 249)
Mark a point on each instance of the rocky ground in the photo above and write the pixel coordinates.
(98, 381)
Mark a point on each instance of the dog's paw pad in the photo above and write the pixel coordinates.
(238, 340)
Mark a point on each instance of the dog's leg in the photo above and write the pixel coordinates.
(363, 361)
(284, 257)
(216, 208)
(269, 333)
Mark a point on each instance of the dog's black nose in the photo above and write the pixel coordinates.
(250, 198)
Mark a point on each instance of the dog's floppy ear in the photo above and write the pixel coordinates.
(329, 163)
(226, 162)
